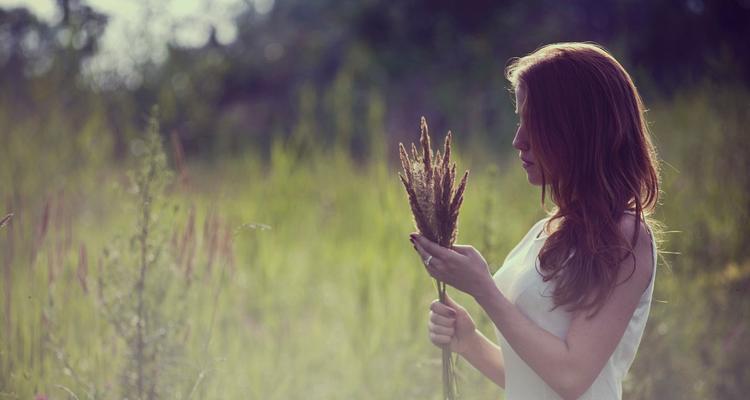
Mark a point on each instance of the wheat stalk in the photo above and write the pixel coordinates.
(428, 179)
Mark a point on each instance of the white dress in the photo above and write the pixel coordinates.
(520, 282)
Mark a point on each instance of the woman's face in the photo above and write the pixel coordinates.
(522, 144)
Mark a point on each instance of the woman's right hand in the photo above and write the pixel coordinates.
(451, 325)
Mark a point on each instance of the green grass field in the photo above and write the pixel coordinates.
(296, 280)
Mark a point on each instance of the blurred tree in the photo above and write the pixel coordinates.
(420, 55)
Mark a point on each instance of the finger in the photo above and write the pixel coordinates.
(450, 303)
(435, 265)
(442, 309)
(431, 267)
(440, 329)
(464, 250)
(440, 339)
(438, 319)
(434, 271)
(433, 248)
(422, 252)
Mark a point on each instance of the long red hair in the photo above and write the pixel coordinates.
(588, 133)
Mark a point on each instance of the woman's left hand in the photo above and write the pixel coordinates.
(462, 267)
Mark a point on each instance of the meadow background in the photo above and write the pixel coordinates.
(221, 217)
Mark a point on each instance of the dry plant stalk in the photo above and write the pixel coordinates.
(428, 179)
(5, 219)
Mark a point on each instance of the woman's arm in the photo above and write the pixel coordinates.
(569, 366)
(486, 357)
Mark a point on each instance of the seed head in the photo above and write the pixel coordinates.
(428, 179)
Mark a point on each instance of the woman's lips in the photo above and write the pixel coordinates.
(526, 163)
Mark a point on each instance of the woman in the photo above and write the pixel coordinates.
(570, 302)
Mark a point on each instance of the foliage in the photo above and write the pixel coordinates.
(140, 289)
(417, 55)
(305, 284)
(701, 301)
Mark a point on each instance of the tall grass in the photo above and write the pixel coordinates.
(141, 292)
(301, 283)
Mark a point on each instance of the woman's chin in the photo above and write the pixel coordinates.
(535, 183)
(533, 179)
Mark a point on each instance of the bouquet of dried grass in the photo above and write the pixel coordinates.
(429, 179)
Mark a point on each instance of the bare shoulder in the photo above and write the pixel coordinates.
(642, 251)
(633, 275)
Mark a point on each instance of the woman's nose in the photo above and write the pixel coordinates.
(519, 141)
